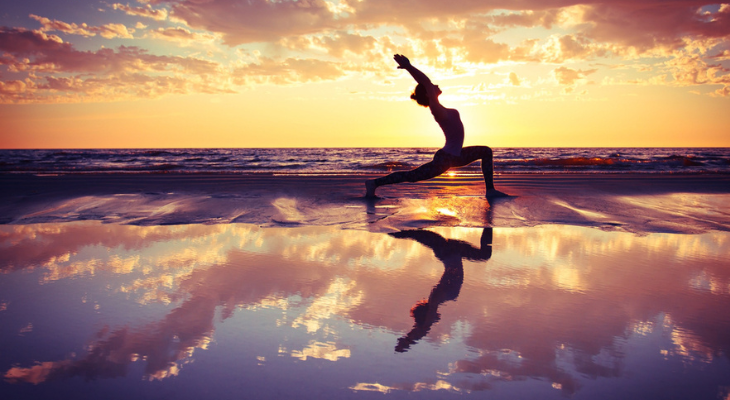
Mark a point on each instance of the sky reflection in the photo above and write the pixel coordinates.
(466, 309)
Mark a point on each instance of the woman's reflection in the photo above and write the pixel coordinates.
(451, 252)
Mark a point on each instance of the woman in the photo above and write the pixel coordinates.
(452, 154)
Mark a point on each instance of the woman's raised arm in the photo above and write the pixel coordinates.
(404, 63)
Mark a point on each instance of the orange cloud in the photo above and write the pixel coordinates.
(108, 31)
(117, 74)
(147, 12)
(287, 71)
(181, 35)
(479, 49)
(648, 25)
(722, 92)
(255, 20)
(343, 41)
(693, 70)
(62, 57)
(567, 76)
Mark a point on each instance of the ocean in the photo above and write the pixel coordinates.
(314, 161)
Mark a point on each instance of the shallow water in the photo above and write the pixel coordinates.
(92, 310)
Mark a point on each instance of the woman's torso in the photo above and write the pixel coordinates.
(453, 130)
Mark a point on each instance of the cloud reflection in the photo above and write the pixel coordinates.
(555, 303)
(326, 351)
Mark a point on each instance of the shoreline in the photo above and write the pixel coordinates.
(635, 202)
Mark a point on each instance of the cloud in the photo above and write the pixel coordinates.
(25, 42)
(485, 51)
(452, 32)
(514, 80)
(722, 92)
(411, 11)
(567, 76)
(108, 31)
(653, 25)
(528, 18)
(181, 35)
(343, 41)
(55, 25)
(287, 72)
(642, 23)
(12, 88)
(58, 72)
(637, 27)
(62, 57)
(297, 42)
(314, 40)
(80, 88)
(146, 12)
(105, 74)
(691, 69)
(570, 47)
(255, 20)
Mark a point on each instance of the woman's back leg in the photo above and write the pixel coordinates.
(426, 171)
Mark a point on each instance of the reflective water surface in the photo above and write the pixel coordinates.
(91, 310)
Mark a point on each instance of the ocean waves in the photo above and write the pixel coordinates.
(359, 160)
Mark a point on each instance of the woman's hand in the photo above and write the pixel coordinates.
(403, 62)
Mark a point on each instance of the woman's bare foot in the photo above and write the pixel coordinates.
(370, 188)
(495, 194)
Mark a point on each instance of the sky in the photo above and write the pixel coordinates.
(320, 73)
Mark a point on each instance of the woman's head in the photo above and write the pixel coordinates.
(421, 96)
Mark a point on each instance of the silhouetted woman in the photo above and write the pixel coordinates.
(452, 154)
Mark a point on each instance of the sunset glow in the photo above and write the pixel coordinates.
(320, 73)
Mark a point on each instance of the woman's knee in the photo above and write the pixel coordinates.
(479, 153)
(487, 152)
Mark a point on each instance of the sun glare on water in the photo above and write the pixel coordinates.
(446, 211)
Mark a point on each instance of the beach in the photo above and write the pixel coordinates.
(295, 285)
(640, 203)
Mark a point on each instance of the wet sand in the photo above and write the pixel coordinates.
(190, 286)
(629, 202)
